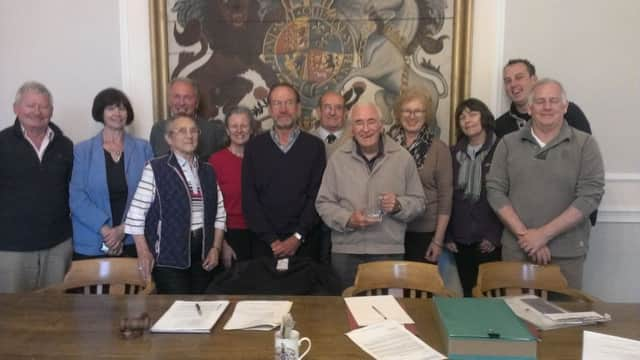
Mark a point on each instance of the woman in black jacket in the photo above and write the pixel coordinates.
(474, 230)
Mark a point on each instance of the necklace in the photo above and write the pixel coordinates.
(114, 149)
(116, 155)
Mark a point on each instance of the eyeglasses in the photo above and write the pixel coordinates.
(407, 112)
(187, 131)
(286, 103)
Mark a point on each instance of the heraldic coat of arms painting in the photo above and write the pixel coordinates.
(365, 49)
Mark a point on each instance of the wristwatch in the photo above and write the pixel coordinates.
(299, 237)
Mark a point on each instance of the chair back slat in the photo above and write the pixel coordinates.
(507, 278)
(398, 278)
(103, 276)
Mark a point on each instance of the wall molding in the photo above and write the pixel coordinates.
(135, 52)
(619, 183)
(625, 216)
(622, 177)
(498, 96)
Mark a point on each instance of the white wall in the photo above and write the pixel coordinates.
(590, 46)
(73, 47)
(79, 47)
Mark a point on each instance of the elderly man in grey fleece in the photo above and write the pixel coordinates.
(370, 191)
(545, 180)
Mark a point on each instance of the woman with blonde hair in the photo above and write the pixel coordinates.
(413, 129)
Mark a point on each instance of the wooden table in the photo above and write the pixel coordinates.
(36, 326)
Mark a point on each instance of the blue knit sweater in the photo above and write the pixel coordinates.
(279, 189)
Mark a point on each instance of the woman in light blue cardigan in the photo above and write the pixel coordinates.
(106, 172)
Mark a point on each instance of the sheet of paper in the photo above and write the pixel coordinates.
(391, 340)
(258, 315)
(367, 310)
(184, 317)
(581, 318)
(596, 346)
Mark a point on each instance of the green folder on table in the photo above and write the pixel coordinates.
(475, 329)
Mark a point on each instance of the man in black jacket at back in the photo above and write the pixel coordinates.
(519, 75)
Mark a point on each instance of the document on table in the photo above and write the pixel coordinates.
(368, 310)
(258, 315)
(596, 346)
(389, 340)
(190, 317)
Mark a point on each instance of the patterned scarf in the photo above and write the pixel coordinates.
(420, 146)
(470, 175)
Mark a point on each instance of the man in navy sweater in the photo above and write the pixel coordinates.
(281, 174)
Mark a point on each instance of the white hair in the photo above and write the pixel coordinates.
(33, 86)
(546, 81)
(366, 104)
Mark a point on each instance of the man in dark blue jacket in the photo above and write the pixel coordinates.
(35, 169)
(519, 75)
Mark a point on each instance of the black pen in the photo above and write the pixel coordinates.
(198, 309)
(378, 311)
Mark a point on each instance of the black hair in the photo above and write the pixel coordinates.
(530, 68)
(108, 97)
(486, 117)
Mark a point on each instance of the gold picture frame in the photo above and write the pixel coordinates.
(460, 56)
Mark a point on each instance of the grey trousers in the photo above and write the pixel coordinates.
(22, 271)
(346, 265)
(571, 267)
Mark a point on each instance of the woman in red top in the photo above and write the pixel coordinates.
(227, 163)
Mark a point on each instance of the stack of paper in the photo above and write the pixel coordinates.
(546, 316)
(368, 310)
(258, 315)
(190, 317)
(389, 340)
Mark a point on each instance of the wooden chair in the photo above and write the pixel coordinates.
(103, 276)
(505, 278)
(418, 280)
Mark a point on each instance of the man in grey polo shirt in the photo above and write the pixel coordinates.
(545, 180)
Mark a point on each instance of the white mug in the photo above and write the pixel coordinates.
(288, 349)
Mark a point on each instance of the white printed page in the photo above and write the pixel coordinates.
(367, 310)
(190, 317)
(596, 346)
(389, 340)
(258, 315)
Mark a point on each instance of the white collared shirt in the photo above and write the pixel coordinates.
(323, 133)
(48, 137)
(537, 139)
